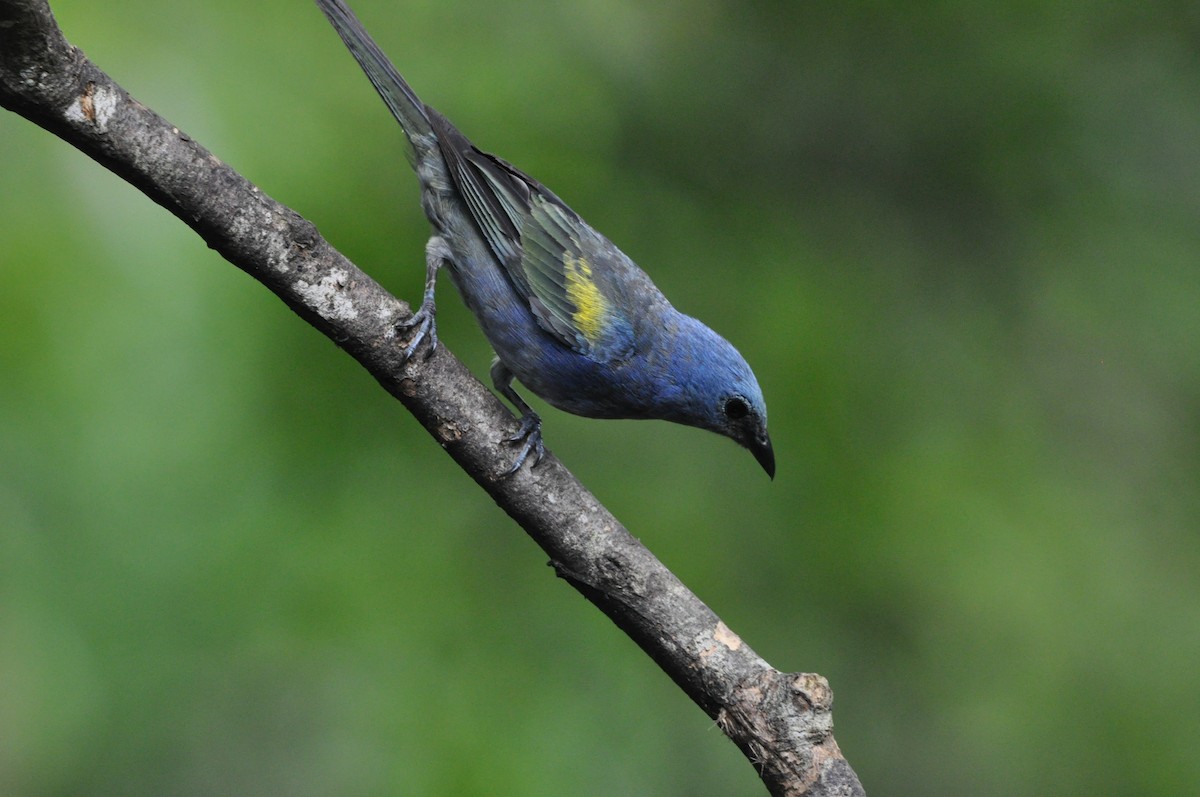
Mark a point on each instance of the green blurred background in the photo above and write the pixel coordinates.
(958, 243)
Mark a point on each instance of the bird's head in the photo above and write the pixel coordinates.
(712, 387)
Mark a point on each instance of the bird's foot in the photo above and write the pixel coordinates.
(529, 436)
(420, 326)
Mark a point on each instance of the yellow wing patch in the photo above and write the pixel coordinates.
(591, 308)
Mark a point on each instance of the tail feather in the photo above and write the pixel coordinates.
(396, 93)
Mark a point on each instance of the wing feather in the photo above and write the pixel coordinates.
(552, 257)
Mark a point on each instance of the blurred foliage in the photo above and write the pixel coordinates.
(958, 243)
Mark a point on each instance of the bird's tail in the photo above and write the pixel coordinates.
(399, 97)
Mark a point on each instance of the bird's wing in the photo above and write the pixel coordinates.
(558, 265)
(551, 256)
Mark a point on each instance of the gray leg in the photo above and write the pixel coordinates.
(437, 253)
(530, 432)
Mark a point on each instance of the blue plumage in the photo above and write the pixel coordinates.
(567, 313)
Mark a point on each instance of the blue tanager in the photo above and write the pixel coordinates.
(567, 313)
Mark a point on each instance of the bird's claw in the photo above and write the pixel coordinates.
(529, 435)
(423, 323)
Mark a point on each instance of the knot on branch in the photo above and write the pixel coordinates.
(783, 722)
(774, 705)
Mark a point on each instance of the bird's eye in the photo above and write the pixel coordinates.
(736, 408)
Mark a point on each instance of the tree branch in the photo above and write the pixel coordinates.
(780, 721)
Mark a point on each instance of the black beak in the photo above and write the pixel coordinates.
(761, 448)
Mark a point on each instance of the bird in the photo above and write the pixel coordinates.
(566, 312)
